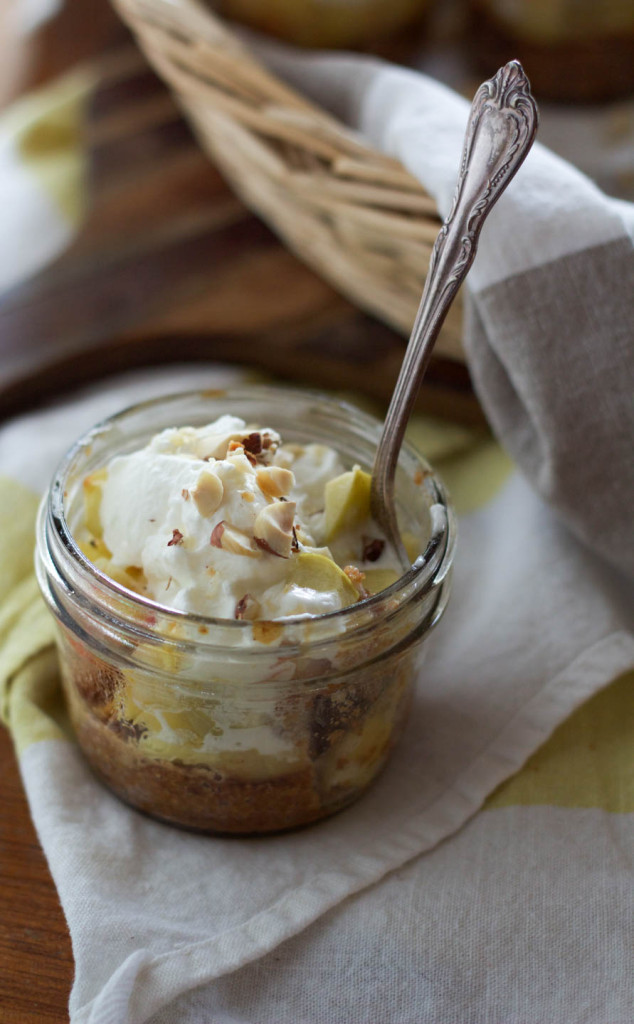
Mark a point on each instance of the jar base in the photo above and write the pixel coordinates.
(199, 798)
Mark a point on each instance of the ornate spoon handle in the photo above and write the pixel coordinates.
(500, 131)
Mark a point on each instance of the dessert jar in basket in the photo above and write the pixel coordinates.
(234, 726)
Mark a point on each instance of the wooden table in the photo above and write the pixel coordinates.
(168, 266)
(36, 963)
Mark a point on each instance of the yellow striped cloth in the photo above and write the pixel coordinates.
(521, 914)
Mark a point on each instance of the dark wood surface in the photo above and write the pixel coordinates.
(36, 963)
(168, 266)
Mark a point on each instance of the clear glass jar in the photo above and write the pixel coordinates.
(573, 51)
(334, 23)
(238, 726)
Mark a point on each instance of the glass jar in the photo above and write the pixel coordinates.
(573, 51)
(333, 23)
(238, 726)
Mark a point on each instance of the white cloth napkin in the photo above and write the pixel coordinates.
(522, 917)
(536, 626)
(550, 325)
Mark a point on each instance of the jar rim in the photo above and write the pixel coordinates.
(431, 565)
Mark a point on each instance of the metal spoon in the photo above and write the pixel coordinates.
(500, 131)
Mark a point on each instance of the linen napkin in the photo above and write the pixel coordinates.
(409, 906)
(550, 321)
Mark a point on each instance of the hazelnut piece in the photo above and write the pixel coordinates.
(229, 538)
(208, 493)
(247, 608)
(274, 481)
(273, 529)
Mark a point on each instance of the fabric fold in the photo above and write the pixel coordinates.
(550, 292)
(178, 913)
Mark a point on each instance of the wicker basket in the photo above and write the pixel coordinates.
(354, 215)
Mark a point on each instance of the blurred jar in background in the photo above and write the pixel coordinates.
(579, 51)
(330, 23)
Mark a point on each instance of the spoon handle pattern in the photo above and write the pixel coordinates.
(500, 131)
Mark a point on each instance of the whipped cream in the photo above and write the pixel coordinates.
(218, 521)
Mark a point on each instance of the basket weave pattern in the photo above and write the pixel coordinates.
(354, 215)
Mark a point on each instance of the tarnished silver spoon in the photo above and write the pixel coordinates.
(500, 131)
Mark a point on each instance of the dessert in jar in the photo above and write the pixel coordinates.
(335, 23)
(572, 52)
(237, 643)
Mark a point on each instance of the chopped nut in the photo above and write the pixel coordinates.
(251, 446)
(274, 481)
(253, 443)
(270, 444)
(216, 534)
(302, 537)
(372, 548)
(273, 529)
(229, 538)
(247, 608)
(185, 494)
(356, 577)
(260, 445)
(177, 538)
(210, 448)
(208, 493)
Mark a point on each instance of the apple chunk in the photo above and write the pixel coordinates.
(316, 572)
(347, 501)
(377, 580)
(92, 502)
